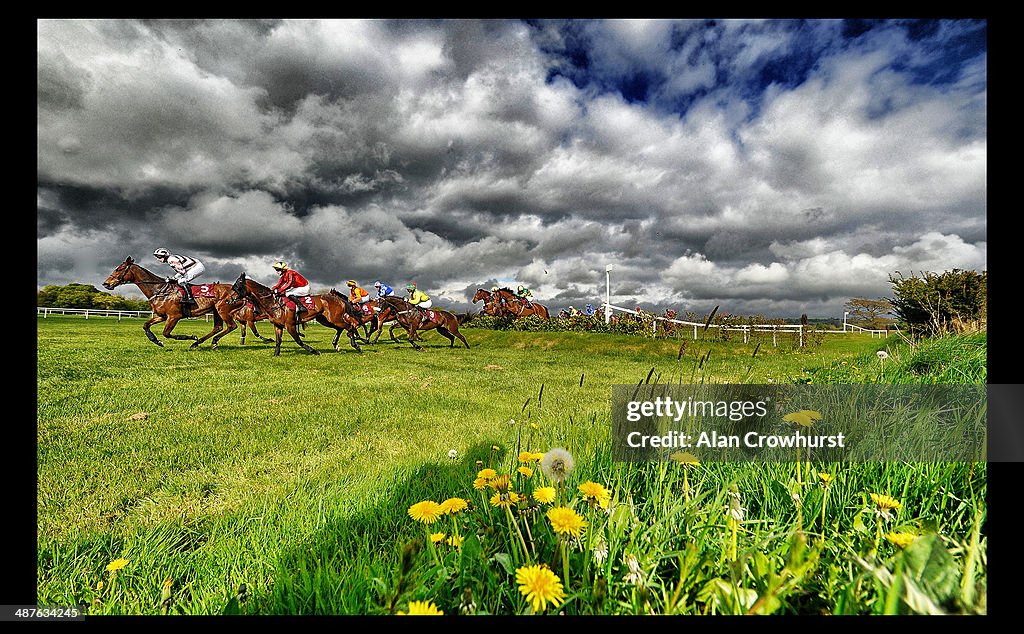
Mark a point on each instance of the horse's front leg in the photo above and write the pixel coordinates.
(156, 319)
(218, 324)
(293, 330)
(352, 339)
(231, 325)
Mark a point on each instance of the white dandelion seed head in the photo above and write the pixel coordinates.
(453, 454)
(557, 464)
(882, 354)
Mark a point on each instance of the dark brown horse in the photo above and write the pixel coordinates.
(166, 300)
(513, 305)
(417, 320)
(247, 315)
(329, 310)
(492, 303)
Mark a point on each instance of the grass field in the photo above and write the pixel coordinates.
(293, 476)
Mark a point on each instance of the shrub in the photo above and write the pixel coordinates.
(934, 304)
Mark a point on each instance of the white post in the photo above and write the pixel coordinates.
(844, 320)
(86, 313)
(695, 332)
(607, 293)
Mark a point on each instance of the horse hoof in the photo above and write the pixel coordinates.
(194, 346)
(213, 346)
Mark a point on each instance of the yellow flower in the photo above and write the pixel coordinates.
(826, 478)
(116, 565)
(453, 505)
(526, 471)
(422, 608)
(99, 585)
(454, 540)
(595, 493)
(437, 537)
(526, 456)
(505, 500)
(495, 448)
(427, 511)
(540, 586)
(501, 483)
(885, 503)
(803, 418)
(544, 495)
(901, 539)
(685, 458)
(487, 474)
(538, 456)
(566, 521)
(480, 483)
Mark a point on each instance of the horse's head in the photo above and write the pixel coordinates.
(481, 294)
(239, 289)
(123, 273)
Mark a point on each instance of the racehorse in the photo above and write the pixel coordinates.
(492, 303)
(513, 305)
(165, 299)
(247, 315)
(328, 310)
(417, 320)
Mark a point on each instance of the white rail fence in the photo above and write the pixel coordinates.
(799, 329)
(46, 311)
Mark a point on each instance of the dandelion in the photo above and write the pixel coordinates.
(99, 585)
(595, 494)
(437, 537)
(803, 418)
(600, 551)
(505, 500)
(566, 521)
(528, 456)
(500, 483)
(885, 504)
(487, 474)
(544, 495)
(826, 480)
(453, 454)
(557, 464)
(687, 460)
(635, 574)
(427, 511)
(453, 506)
(901, 539)
(426, 608)
(735, 516)
(480, 484)
(495, 448)
(537, 457)
(116, 565)
(540, 586)
(479, 464)
(526, 471)
(455, 541)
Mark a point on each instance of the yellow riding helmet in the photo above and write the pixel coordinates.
(280, 266)
(352, 283)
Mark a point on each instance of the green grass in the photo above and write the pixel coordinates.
(293, 474)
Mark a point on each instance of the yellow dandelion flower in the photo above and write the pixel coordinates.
(566, 521)
(453, 506)
(480, 484)
(495, 448)
(526, 471)
(501, 483)
(540, 586)
(437, 537)
(803, 418)
(422, 608)
(685, 458)
(901, 539)
(526, 456)
(427, 511)
(116, 565)
(885, 503)
(538, 456)
(99, 585)
(505, 499)
(595, 493)
(487, 474)
(454, 540)
(544, 495)
(826, 478)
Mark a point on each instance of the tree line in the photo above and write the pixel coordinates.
(86, 296)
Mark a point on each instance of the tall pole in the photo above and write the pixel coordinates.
(844, 320)
(607, 293)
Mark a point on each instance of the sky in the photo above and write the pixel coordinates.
(773, 167)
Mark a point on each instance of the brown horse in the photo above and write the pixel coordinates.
(165, 298)
(247, 315)
(513, 305)
(492, 303)
(329, 310)
(416, 320)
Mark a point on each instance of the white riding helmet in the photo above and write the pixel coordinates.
(377, 284)
(161, 253)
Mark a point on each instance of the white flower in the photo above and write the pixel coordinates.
(634, 576)
(601, 551)
(453, 454)
(557, 464)
(882, 354)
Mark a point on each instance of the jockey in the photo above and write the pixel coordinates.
(588, 310)
(186, 269)
(418, 298)
(291, 285)
(357, 295)
(524, 294)
(383, 290)
(573, 312)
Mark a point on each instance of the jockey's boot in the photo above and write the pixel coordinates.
(189, 299)
(299, 306)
